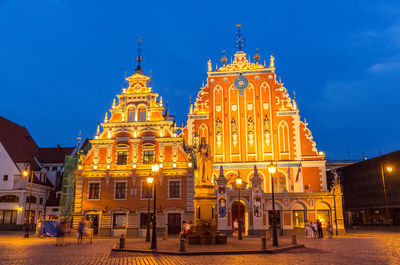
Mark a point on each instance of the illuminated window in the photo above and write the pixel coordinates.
(298, 219)
(142, 114)
(131, 115)
(148, 157)
(279, 183)
(119, 221)
(174, 189)
(122, 158)
(120, 190)
(147, 190)
(94, 190)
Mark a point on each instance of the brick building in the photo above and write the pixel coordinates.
(111, 185)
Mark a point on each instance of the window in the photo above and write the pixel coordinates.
(147, 190)
(122, 158)
(148, 157)
(277, 216)
(142, 114)
(119, 221)
(279, 183)
(174, 189)
(31, 199)
(120, 190)
(144, 220)
(5, 177)
(131, 115)
(8, 217)
(94, 190)
(41, 200)
(9, 198)
(298, 219)
(324, 217)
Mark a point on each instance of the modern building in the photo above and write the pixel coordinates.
(18, 153)
(371, 191)
(248, 119)
(111, 180)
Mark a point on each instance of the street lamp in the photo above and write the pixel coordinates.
(150, 180)
(272, 171)
(155, 168)
(26, 173)
(238, 185)
(388, 169)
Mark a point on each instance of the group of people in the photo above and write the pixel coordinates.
(85, 229)
(236, 226)
(314, 230)
(63, 228)
(186, 229)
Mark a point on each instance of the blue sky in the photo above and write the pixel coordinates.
(62, 62)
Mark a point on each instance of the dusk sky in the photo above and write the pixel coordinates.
(63, 62)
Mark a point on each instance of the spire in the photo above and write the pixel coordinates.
(239, 38)
(161, 101)
(97, 132)
(113, 105)
(106, 118)
(139, 58)
(125, 83)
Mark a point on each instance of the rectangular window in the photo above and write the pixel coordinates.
(298, 219)
(122, 158)
(147, 190)
(119, 221)
(148, 157)
(94, 190)
(5, 177)
(8, 217)
(144, 220)
(271, 218)
(120, 190)
(41, 200)
(174, 189)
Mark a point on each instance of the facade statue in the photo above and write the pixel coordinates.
(219, 127)
(271, 62)
(233, 125)
(266, 124)
(336, 178)
(204, 162)
(209, 65)
(250, 124)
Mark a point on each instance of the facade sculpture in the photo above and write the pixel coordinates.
(204, 162)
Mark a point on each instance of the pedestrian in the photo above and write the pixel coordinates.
(188, 229)
(330, 230)
(60, 233)
(90, 230)
(310, 230)
(320, 233)
(315, 229)
(307, 227)
(81, 230)
(182, 233)
(235, 226)
(242, 226)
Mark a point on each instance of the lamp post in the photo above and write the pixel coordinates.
(388, 169)
(150, 180)
(334, 206)
(155, 168)
(272, 171)
(238, 185)
(25, 173)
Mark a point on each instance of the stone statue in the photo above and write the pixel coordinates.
(250, 124)
(204, 162)
(271, 62)
(266, 124)
(336, 178)
(219, 127)
(209, 66)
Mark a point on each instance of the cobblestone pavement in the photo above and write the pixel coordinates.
(360, 248)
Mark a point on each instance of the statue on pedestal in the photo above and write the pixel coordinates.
(204, 162)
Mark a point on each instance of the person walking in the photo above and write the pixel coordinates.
(188, 229)
(182, 233)
(330, 230)
(306, 228)
(315, 229)
(319, 226)
(310, 230)
(81, 229)
(235, 226)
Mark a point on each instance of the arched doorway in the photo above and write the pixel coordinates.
(243, 214)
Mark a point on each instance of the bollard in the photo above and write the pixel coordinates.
(294, 242)
(164, 237)
(122, 241)
(182, 245)
(267, 235)
(263, 243)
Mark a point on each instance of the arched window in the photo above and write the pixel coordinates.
(142, 114)
(31, 199)
(9, 198)
(131, 115)
(279, 183)
(283, 133)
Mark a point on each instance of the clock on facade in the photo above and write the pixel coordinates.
(241, 83)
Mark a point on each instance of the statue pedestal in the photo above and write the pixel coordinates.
(204, 230)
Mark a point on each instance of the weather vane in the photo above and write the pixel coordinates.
(239, 38)
(139, 58)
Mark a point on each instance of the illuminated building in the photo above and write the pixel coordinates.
(249, 120)
(111, 186)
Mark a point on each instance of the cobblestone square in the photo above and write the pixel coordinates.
(354, 248)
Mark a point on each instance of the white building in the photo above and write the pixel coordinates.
(19, 152)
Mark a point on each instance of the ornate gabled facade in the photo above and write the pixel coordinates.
(248, 118)
(111, 183)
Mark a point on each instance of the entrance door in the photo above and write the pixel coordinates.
(95, 222)
(174, 223)
(235, 213)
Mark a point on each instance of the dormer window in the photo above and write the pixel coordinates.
(142, 114)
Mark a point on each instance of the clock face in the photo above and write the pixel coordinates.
(241, 83)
